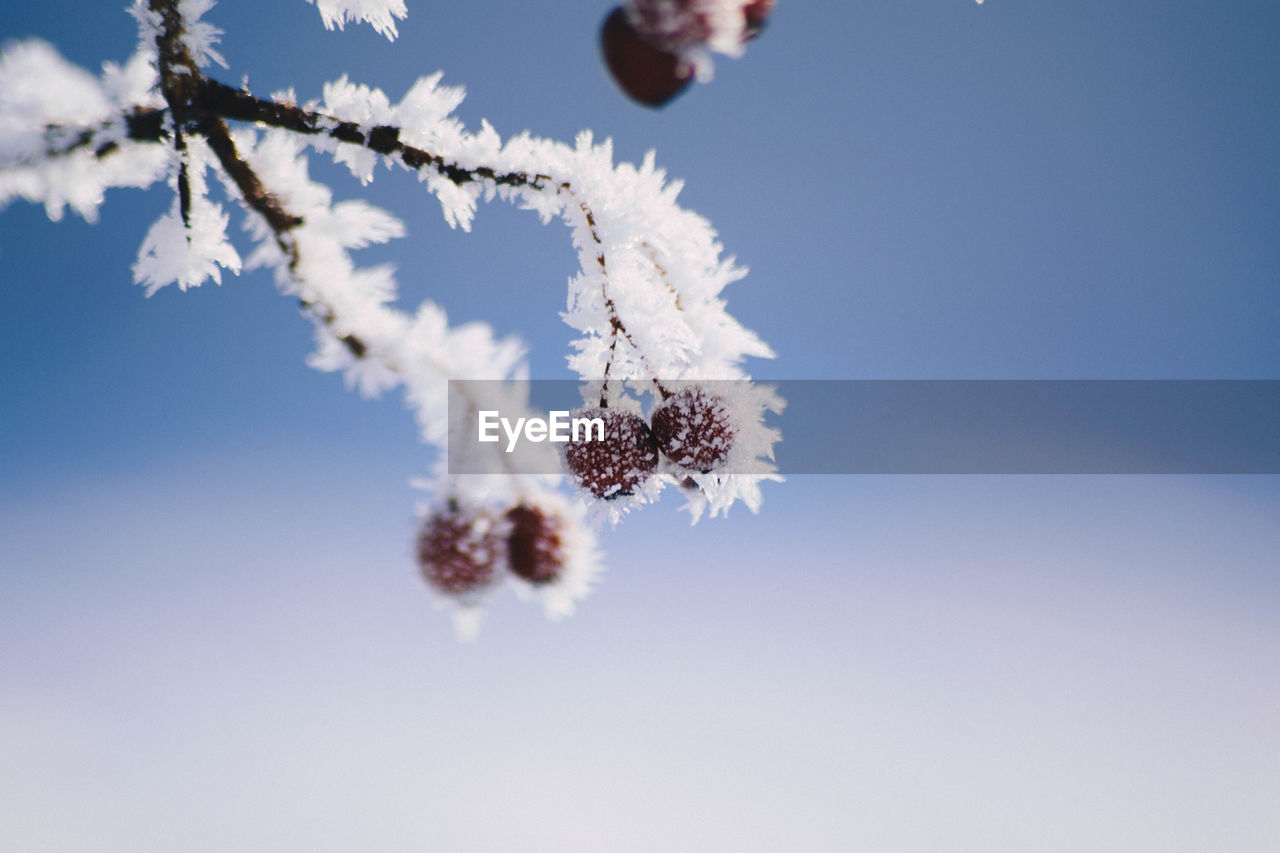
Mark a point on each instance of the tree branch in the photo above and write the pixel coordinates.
(239, 105)
(203, 105)
(140, 124)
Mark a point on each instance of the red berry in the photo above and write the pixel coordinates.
(535, 551)
(458, 550)
(755, 13)
(693, 429)
(648, 73)
(616, 465)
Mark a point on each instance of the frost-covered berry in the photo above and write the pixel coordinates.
(617, 464)
(679, 26)
(755, 15)
(675, 24)
(693, 429)
(654, 48)
(459, 549)
(535, 550)
(648, 73)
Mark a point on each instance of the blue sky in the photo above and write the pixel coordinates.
(211, 635)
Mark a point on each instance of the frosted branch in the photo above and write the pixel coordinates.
(646, 300)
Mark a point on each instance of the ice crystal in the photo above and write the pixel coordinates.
(380, 14)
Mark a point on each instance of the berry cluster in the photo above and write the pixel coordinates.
(464, 550)
(692, 428)
(652, 47)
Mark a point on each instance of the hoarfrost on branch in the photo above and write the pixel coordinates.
(646, 302)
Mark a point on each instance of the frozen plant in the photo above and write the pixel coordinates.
(655, 48)
(646, 302)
